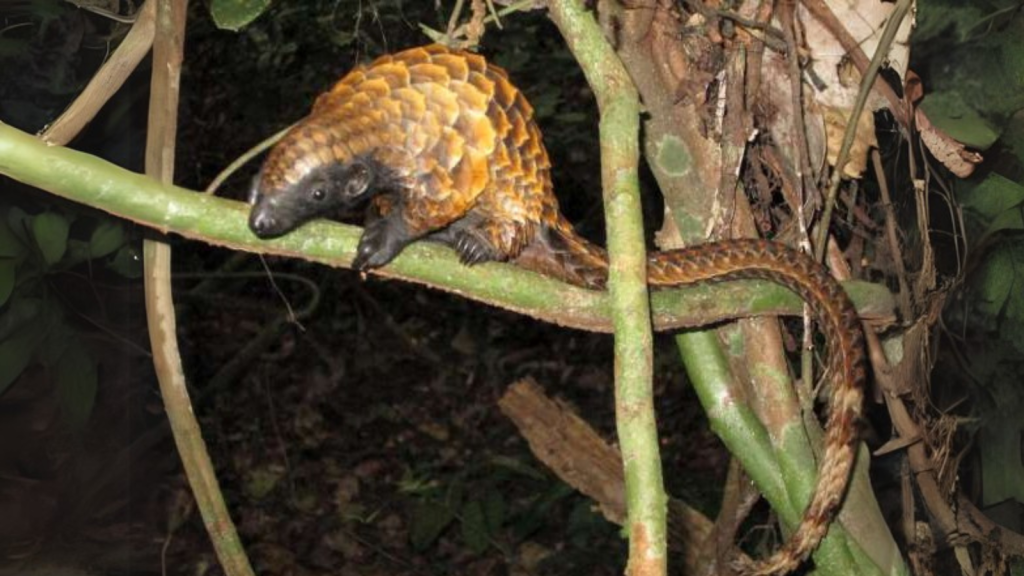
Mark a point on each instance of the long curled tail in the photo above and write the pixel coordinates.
(573, 259)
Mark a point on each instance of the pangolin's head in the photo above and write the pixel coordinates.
(311, 173)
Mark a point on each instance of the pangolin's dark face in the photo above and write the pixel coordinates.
(321, 192)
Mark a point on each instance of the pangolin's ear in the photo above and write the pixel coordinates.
(358, 179)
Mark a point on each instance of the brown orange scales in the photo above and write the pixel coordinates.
(446, 148)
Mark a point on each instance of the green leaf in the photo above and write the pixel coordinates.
(999, 445)
(584, 521)
(494, 510)
(949, 112)
(941, 17)
(1013, 136)
(47, 9)
(58, 339)
(6, 278)
(10, 245)
(105, 238)
(993, 196)
(127, 262)
(11, 48)
(518, 467)
(16, 353)
(539, 510)
(77, 381)
(571, 117)
(997, 294)
(429, 519)
(235, 14)
(19, 224)
(1009, 220)
(51, 234)
(991, 206)
(474, 527)
(260, 482)
(18, 314)
(77, 252)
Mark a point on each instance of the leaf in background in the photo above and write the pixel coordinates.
(20, 312)
(127, 262)
(106, 237)
(953, 115)
(494, 510)
(236, 14)
(262, 480)
(18, 224)
(58, 339)
(518, 467)
(6, 278)
(539, 510)
(999, 444)
(1008, 220)
(11, 48)
(976, 84)
(992, 205)
(474, 527)
(10, 244)
(78, 252)
(51, 234)
(76, 379)
(993, 196)
(546, 103)
(935, 17)
(998, 294)
(47, 10)
(16, 352)
(571, 117)
(1013, 136)
(584, 521)
(429, 519)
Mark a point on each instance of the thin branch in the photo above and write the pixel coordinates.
(160, 316)
(867, 81)
(107, 80)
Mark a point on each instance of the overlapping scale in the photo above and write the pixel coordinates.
(449, 123)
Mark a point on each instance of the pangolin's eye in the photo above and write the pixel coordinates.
(318, 193)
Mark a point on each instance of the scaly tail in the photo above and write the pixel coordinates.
(567, 256)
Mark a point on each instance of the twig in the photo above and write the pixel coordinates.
(461, 30)
(895, 249)
(130, 19)
(820, 10)
(454, 18)
(867, 81)
(242, 160)
(107, 80)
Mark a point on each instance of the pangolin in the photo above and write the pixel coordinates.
(445, 147)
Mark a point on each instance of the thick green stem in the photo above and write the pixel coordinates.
(620, 126)
(94, 182)
(619, 104)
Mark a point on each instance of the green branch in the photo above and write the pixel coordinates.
(97, 183)
(93, 181)
(636, 423)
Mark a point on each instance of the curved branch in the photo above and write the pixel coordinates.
(97, 183)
